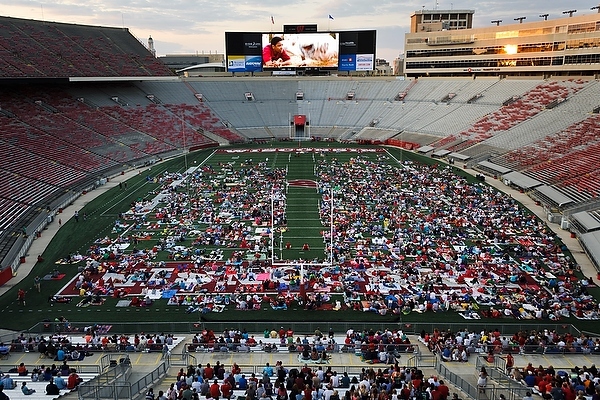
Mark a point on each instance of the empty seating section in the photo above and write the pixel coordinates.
(171, 92)
(10, 211)
(176, 129)
(41, 49)
(53, 149)
(532, 103)
(41, 132)
(201, 118)
(567, 159)
(24, 163)
(23, 189)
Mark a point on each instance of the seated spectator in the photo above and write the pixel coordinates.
(59, 381)
(22, 370)
(8, 382)
(73, 380)
(52, 388)
(46, 374)
(26, 391)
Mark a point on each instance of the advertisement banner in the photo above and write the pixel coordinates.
(347, 62)
(253, 63)
(236, 63)
(365, 62)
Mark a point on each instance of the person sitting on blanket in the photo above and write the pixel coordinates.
(75, 355)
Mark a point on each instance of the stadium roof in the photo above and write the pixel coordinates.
(495, 167)
(586, 220)
(522, 181)
(202, 66)
(591, 242)
(554, 195)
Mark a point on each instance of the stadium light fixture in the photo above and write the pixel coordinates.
(497, 22)
(545, 16)
(570, 12)
(596, 8)
(520, 19)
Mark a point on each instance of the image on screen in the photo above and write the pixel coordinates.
(310, 50)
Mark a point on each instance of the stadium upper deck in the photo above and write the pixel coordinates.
(36, 49)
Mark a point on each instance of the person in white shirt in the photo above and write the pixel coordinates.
(334, 380)
(327, 392)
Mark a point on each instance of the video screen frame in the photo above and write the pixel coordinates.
(345, 51)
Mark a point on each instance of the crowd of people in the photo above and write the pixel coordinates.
(457, 346)
(62, 347)
(406, 237)
(578, 383)
(390, 382)
(59, 377)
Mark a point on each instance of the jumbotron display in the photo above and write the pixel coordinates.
(326, 51)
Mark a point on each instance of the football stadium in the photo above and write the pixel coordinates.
(276, 229)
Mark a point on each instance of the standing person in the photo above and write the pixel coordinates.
(172, 392)
(274, 55)
(161, 395)
(510, 362)
(37, 283)
(21, 296)
(482, 380)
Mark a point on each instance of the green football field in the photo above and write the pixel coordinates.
(300, 239)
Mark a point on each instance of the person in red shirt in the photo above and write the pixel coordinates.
(73, 381)
(209, 372)
(274, 55)
(443, 389)
(21, 296)
(214, 390)
(226, 389)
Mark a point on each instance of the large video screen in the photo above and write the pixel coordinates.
(318, 50)
(281, 52)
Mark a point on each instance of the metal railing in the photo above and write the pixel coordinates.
(302, 328)
(503, 384)
(111, 383)
(139, 388)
